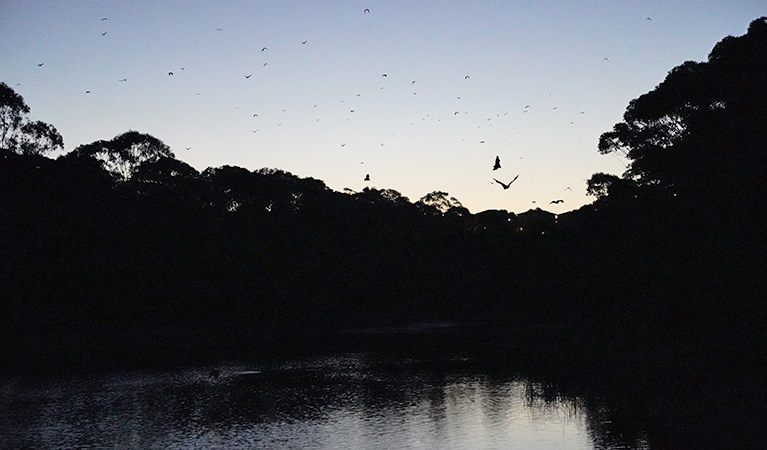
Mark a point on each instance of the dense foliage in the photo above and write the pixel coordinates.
(19, 134)
(699, 137)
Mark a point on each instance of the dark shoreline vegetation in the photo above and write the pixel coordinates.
(118, 254)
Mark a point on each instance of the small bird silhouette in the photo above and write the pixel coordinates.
(497, 164)
(105, 18)
(123, 80)
(556, 201)
(466, 77)
(255, 115)
(87, 92)
(248, 76)
(304, 42)
(104, 33)
(367, 177)
(170, 74)
(568, 188)
(264, 49)
(40, 64)
(366, 10)
(506, 185)
(385, 76)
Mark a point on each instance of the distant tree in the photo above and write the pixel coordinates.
(394, 197)
(441, 202)
(277, 173)
(601, 184)
(164, 170)
(20, 135)
(458, 211)
(261, 191)
(381, 197)
(300, 191)
(236, 189)
(171, 180)
(701, 133)
(122, 155)
(493, 219)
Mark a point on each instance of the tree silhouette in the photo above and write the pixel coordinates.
(20, 135)
(124, 153)
(441, 202)
(700, 134)
(164, 170)
(170, 185)
(600, 185)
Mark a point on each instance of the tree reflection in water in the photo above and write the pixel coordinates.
(350, 401)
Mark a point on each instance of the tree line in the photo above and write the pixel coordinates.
(119, 249)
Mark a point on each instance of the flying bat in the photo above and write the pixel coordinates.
(506, 186)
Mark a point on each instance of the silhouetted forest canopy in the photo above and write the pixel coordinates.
(118, 249)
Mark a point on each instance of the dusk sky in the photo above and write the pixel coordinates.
(421, 95)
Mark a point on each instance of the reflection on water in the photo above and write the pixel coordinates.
(348, 402)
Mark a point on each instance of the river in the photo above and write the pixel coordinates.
(338, 401)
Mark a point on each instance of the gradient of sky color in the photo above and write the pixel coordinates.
(324, 108)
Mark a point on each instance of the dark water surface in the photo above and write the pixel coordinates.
(348, 401)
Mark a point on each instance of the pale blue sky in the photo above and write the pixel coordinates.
(411, 137)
